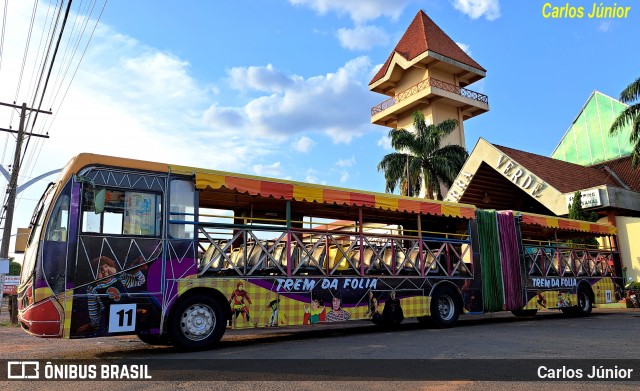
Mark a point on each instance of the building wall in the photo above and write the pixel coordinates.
(436, 113)
(410, 77)
(441, 75)
(628, 234)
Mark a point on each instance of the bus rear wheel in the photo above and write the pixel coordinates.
(198, 323)
(445, 307)
(585, 304)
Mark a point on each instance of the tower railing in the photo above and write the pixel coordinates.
(429, 82)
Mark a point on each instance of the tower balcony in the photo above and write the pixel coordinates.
(426, 92)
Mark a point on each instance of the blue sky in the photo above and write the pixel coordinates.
(279, 87)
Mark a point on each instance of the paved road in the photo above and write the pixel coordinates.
(608, 334)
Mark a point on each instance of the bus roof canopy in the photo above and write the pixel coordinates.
(298, 191)
(566, 224)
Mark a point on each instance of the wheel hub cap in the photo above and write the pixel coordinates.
(198, 322)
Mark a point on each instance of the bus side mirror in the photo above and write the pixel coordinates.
(99, 200)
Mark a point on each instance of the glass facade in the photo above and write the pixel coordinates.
(588, 141)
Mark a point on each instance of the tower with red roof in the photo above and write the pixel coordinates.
(428, 71)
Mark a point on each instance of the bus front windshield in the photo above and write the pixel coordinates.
(37, 220)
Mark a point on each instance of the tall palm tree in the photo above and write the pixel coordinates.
(630, 115)
(419, 158)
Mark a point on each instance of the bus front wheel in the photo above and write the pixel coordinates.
(198, 323)
(445, 307)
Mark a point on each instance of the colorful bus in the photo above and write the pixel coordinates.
(178, 255)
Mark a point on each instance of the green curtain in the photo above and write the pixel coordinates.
(492, 293)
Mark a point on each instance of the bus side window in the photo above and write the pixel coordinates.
(182, 209)
(58, 224)
(121, 213)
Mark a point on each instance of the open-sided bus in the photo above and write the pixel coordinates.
(179, 254)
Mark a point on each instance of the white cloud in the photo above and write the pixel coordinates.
(271, 170)
(303, 144)
(358, 10)
(336, 103)
(464, 47)
(385, 142)
(127, 99)
(346, 162)
(604, 26)
(344, 177)
(475, 9)
(362, 37)
(311, 178)
(265, 79)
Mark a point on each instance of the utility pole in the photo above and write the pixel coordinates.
(13, 182)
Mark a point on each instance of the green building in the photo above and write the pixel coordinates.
(587, 141)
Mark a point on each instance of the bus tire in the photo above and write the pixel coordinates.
(525, 313)
(155, 340)
(445, 307)
(197, 323)
(585, 302)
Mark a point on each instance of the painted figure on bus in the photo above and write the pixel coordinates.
(316, 312)
(277, 317)
(112, 285)
(541, 299)
(467, 294)
(564, 301)
(373, 310)
(337, 314)
(240, 301)
(392, 312)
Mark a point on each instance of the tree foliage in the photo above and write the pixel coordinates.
(14, 268)
(419, 158)
(576, 212)
(630, 115)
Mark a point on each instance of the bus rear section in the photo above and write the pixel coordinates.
(531, 262)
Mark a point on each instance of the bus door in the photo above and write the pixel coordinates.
(118, 266)
(181, 245)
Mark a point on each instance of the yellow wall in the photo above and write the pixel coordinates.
(441, 75)
(409, 78)
(628, 234)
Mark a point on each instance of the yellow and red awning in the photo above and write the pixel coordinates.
(566, 224)
(330, 195)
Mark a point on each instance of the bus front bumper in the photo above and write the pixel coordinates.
(43, 319)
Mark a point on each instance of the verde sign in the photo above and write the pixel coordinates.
(521, 177)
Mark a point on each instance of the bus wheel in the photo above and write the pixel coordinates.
(585, 304)
(525, 313)
(445, 307)
(155, 340)
(198, 323)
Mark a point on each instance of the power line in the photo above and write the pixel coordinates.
(4, 24)
(78, 66)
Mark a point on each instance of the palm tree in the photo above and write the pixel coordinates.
(630, 115)
(420, 158)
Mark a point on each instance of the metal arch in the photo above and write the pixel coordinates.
(6, 175)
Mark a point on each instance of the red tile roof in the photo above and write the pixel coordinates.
(563, 176)
(622, 168)
(422, 35)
